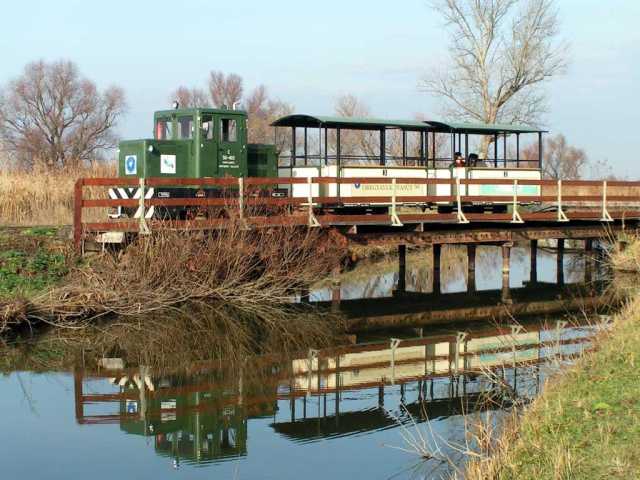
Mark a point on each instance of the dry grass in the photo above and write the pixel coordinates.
(254, 271)
(43, 197)
(626, 259)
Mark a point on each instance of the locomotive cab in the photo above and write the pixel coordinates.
(189, 143)
(192, 143)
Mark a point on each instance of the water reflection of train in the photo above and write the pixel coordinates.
(204, 415)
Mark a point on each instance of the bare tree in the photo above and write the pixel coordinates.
(560, 161)
(52, 116)
(355, 142)
(190, 97)
(225, 89)
(501, 51)
(261, 111)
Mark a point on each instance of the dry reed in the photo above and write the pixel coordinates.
(43, 197)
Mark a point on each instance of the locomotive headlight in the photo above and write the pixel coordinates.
(150, 148)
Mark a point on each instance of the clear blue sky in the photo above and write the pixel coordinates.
(308, 53)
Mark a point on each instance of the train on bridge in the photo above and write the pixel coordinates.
(212, 143)
(200, 172)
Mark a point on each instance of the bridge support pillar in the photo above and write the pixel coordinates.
(533, 256)
(506, 257)
(402, 268)
(471, 268)
(588, 260)
(560, 262)
(437, 250)
(335, 289)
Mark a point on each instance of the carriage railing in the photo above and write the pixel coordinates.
(248, 200)
(347, 160)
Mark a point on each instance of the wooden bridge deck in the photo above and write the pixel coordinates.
(563, 209)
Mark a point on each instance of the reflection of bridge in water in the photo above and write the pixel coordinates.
(409, 309)
(203, 415)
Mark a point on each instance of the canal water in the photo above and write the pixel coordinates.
(337, 412)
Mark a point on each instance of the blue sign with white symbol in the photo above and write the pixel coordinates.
(132, 406)
(130, 164)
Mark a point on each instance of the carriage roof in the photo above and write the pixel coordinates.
(356, 123)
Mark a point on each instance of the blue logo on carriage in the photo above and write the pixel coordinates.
(130, 164)
(357, 185)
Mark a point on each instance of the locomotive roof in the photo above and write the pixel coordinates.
(355, 123)
(192, 111)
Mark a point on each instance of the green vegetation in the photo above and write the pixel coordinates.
(30, 261)
(587, 423)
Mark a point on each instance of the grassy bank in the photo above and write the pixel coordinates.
(586, 425)
(32, 260)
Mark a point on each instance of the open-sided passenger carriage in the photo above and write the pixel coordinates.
(441, 150)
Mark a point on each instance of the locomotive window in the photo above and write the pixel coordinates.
(185, 125)
(163, 129)
(229, 130)
(207, 127)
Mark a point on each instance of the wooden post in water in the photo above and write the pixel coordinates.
(77, 391)
(533, 256)
(506, 256)
(402, 268)
(335, 289)
(437, 248)
(471, 268)
(560, 262)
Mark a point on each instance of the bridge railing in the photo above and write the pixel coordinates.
(251, 201)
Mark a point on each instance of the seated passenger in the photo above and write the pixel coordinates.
(473, 160)
(458, 160)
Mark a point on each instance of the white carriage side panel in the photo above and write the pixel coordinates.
(354, 190)
(504, 173)
(441, 189)
(302, 190)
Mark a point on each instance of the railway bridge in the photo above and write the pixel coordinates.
(584, 210)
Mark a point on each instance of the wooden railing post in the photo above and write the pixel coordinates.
(143, 229)
(241, 197)
(313, 221)
(77, 215)
(605, 217)
(515, 217)
(461, 217)
(562, 217)
(395, 220)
